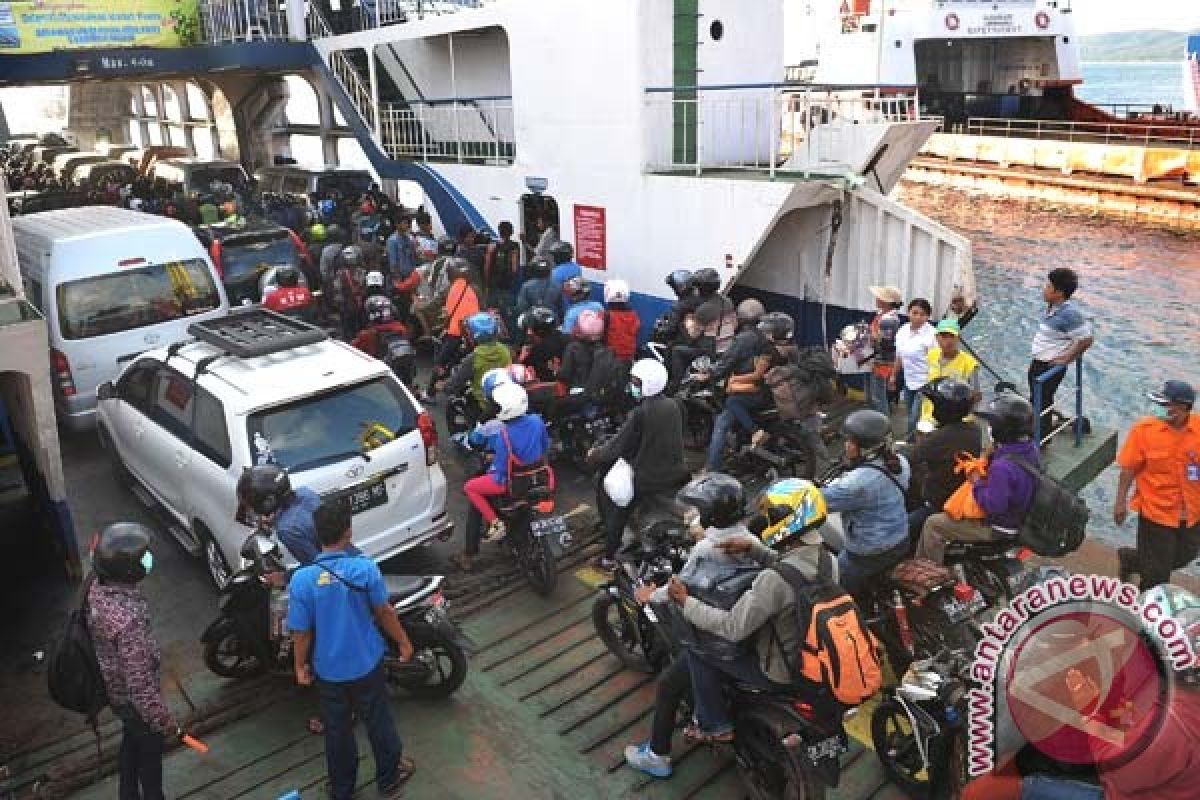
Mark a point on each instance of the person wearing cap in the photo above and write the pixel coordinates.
(884, 327)
(1161, 461)
(948, 360)
(1062, 335)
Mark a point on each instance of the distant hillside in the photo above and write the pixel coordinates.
(1135, 46)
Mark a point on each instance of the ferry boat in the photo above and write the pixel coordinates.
(657, 135)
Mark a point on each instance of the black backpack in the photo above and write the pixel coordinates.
(607, 376)
(1056, 522)
(73, 674)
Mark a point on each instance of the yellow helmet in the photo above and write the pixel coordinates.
(792, 507)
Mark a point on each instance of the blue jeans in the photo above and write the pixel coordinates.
(854, 571)
(340, 702)
(877, 393)
(913, 399)
(1045, 787)
(708, 681)
(739, 408)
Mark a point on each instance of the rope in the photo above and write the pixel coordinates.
(835, 225)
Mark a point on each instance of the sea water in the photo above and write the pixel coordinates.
(1140, 288)
(1106, 83)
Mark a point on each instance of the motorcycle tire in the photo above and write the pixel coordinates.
(219, 649)
(767, 769)
(896, 748)
(440, 683)
(541, 568)
(620, 635)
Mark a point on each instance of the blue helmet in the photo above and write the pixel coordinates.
(482, 327)
(326, 208)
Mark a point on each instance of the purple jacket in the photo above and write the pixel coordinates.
(128, 653)
(1007, 492)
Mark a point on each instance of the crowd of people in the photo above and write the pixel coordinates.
(523, 339)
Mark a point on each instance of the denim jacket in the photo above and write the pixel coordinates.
(871, 505)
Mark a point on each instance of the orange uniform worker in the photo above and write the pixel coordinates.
(1161, 459)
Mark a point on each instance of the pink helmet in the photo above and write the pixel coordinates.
(589, 325)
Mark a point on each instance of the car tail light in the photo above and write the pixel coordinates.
(428, 429)
(215, 252)
(62, 373)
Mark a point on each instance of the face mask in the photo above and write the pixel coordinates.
(635, 391)
(1162, 412)
(147, 561)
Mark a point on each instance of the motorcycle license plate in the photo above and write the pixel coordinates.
(364, 498)
(553, 527)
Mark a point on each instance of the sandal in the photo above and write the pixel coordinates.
(695, 733)
(405, 768)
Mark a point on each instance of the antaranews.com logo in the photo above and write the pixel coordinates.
(1069, 665)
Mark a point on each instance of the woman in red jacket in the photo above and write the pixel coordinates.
(622, 324)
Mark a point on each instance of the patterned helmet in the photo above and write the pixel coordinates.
(792, 507)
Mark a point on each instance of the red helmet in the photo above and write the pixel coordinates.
(367, 207)
(589, 325)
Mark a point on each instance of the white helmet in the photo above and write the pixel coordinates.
(492, 379)
(374, 279)
(652, 374)
(616, 291)
(512, 400)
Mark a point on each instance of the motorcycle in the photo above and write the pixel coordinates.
(919, 728)
(997, 568)
(249, 637)
(629, 630)
(574, 435)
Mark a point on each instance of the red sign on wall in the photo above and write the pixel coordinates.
(591, 249)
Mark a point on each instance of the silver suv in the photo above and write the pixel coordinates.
(255, 387)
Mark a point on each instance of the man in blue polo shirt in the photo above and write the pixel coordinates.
(338, 606)
(1062, 335)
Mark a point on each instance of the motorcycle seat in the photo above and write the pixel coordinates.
(997, 548)
(402, 586)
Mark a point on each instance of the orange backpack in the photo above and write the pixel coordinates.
(836, 648)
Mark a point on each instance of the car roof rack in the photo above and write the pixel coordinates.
(254, 332)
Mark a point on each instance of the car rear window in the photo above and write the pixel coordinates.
(135, 298)
(331, 427)
(242, 256)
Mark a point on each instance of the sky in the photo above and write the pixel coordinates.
(1101, 16)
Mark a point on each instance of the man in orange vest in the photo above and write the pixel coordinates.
(1161, 460)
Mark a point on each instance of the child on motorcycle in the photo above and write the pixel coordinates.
(621, 321)
(521, 439)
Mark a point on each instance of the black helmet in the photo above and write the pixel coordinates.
(539, 267)
(1010, 417)
(119, 551)
(539, 319)
(951, 399)
(868, 429)
(562, 252)
(707, 280)
(458, 268)
(718, 497)
(287, 277)
(777, 326)
(378, 309)
(447, 246)
(264, 488)
(680, 282)
(750, 311)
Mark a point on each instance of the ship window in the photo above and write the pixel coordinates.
(716, 30)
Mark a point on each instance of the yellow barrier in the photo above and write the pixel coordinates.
(1139, 164)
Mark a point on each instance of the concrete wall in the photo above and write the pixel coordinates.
(98, 109)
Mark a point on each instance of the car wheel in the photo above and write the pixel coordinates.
(214, 558)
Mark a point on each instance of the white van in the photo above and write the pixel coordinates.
(111, 283)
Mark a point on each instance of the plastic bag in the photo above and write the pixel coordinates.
(618, 483)
(961, 505)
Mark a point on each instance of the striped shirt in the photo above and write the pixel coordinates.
(1060, 328)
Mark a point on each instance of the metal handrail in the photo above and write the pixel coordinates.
(230, 21)
(1118, 133)
(1076, 421)
(475, 130)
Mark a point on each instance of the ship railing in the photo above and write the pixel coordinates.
(470, 130)
(231, 21)
(1146, 134)
(1075, 422)
(768, 127)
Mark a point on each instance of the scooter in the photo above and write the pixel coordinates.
(249, 637)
